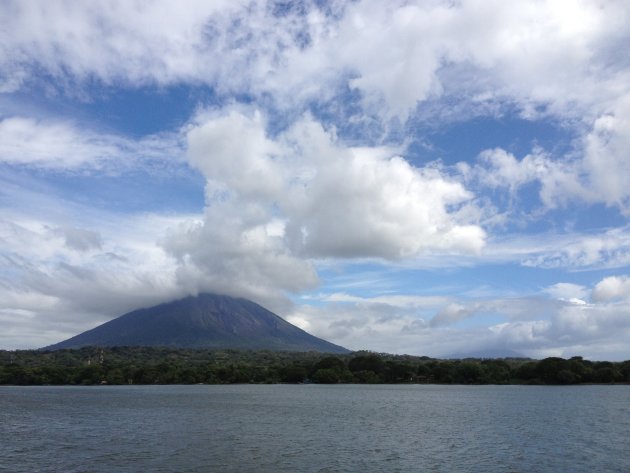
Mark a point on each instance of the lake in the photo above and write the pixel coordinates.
(315, 428)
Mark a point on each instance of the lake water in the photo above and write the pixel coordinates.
(315, 428)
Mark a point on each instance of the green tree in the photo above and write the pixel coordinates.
(293, 374)
(443, 371)
(366, 377)
(399, 372)
(496, 372)
(369, 362)
(548, 369)
(468, 372)
(326, 376)
(330, 369)
(566, 377)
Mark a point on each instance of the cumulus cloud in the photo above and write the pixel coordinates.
(612, 288)
(369, 202)
(559, 180)
(273, 204)
(235, 155)
(607, 156)
(595, 172)
(342, 201)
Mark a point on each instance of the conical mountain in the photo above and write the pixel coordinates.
(204, 321)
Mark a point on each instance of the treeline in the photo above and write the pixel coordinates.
(143, 365)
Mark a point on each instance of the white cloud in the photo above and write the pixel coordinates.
(597, 171)
(395, 52)
(526, 337)
(232, 252)
(607, 156)
(336, 201)
(138, 43)
(398, 54)
(58, 145)
(396, 329)
(608, 249)
(534, 326)
(567, 291)
(612, 288)
(505, 170)
(51, 145)
(80, 239)
(450, 314)
(560, 180)
(58, 280)
(514, 41)
(544, 57)
(274, 203)
(397, 300)
(369, 202)
(365, 326)
(408, 52)
(404, 53)
(235, 155)
(567, 251)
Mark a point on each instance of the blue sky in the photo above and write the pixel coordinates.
(429, 177)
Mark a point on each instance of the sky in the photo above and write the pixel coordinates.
(431, 177)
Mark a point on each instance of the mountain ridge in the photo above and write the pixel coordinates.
(202, 321)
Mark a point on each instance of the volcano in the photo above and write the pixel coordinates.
(204, 321)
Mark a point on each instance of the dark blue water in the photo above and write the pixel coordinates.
(315, 428)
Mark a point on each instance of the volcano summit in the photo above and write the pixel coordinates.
(203, 321)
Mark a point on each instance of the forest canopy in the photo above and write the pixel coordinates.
(144, 365)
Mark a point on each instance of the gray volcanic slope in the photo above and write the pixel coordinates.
(204, 321)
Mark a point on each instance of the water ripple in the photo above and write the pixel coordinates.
(315, 428)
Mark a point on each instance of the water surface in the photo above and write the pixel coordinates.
(315, 428)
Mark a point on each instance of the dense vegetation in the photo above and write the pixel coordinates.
(140, 365)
